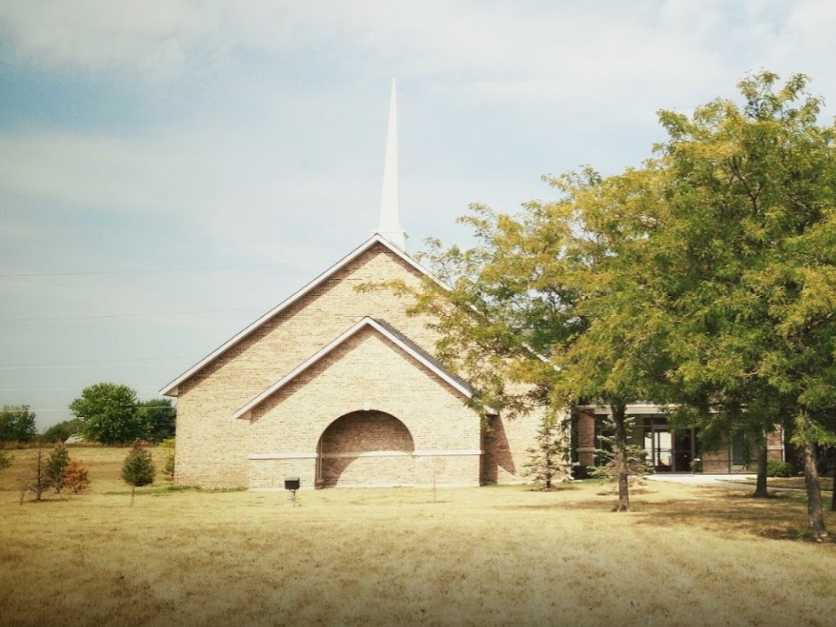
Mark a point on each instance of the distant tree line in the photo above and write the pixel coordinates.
(110, 413)
(17, 424)
(106, 413)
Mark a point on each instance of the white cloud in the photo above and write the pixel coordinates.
(262, 127)
(501, 49)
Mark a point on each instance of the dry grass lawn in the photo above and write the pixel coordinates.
(684, 556)
(797, 483)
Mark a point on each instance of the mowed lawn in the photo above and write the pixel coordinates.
(476, 556)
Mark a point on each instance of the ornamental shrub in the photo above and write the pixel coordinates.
(75, 477)
(138, 469)
(56, 465)
(777, 468)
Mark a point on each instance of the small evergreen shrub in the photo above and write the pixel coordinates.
(168, 469)
(777, 468)
(56, 465)
(548, 459)
(138, 469)
(5, 460)
(38, 482)
(75, 477)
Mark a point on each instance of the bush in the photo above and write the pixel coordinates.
(168, 446)
(17, 423)
(776, 468)
(75, 477)
(61, 431)
(56, 465)
(138, 469)
(108, 413)
(38, 482)
(5, 460)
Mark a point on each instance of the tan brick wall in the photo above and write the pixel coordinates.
(505, 443)
(368, 372)
(213, 448)
(775, 444)
(365, 431)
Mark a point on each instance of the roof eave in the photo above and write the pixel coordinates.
(171, 388)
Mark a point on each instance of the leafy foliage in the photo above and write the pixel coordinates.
(168, 445)
(607, 465)
(17, 423)
(75, 477)
(549, 459)
(112, 414)
(59, 432)
(138, 469)
(750, 253)
(56, 466)
(109, 413)
(159, 418)
(777, 468)
(38, 481)
(5, 460)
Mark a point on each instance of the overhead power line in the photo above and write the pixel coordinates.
(88, 364)
(132, 272)
(139, 315)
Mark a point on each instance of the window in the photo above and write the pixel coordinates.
(741, 449)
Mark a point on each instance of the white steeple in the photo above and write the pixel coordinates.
(390, 219)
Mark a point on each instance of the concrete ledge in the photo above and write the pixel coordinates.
(416, 453)
(282, 456)
(373, 486)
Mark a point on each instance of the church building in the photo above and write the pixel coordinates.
(339, 387)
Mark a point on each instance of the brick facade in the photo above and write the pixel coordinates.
(715, 461)
(350, 396)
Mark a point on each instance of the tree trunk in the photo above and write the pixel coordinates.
(815, 515)
(760, 487)
(833, 487)
(619, 418)
(133, 491)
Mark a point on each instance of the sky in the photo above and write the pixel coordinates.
(173, 169)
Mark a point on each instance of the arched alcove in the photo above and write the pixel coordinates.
(365, 448)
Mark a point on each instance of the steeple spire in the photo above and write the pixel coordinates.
(390, 219)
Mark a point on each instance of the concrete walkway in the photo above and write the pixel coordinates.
(698, 479)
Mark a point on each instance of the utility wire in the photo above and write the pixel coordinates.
(87, 364)
(143, 315)
(132, 272)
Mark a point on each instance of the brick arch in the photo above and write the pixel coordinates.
(365, 448)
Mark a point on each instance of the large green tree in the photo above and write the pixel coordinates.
(17, 423)
(749, 246)
(108, 413)
(159, 418)
(555, 305)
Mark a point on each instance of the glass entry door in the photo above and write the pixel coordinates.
(684, 450)
(658, 444)
(669, 450)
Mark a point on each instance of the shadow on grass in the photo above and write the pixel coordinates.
(165, 490)
(781, 517)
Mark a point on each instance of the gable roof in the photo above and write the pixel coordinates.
(383, 329)
(170, 389)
